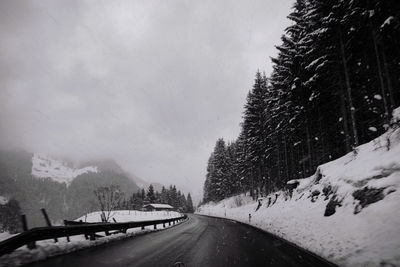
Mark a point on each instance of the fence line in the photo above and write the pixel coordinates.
(87, 229)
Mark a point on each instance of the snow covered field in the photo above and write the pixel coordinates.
(130, 215)
(348, 212)
(48, 248)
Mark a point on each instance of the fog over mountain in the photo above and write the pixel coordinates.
(149, 84)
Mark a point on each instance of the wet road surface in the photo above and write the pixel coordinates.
(200, 241)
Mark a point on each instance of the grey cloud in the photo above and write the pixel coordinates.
(150, 83)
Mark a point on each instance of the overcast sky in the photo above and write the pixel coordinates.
(151, 84)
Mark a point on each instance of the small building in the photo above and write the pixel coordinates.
(154, 207)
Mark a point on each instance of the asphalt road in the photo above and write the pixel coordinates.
(200, 241)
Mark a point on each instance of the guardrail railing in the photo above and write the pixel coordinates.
(89, 230)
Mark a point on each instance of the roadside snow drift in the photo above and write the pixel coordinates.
(347, 212)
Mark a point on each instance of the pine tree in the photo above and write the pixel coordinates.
(173, 197)
(189, 204)
(150, 194)
(163, 195)
(207, 189)
(331, 89)
(143, 194)
(219, 180)
(254, 122)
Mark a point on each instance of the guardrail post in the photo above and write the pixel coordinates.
(92, 236)
(86, 235)
(30, 245)
(163, 225)
(107, 232)
(46, 218)
(169, 223)
(65, 223)
(155, 226)
(142, 227)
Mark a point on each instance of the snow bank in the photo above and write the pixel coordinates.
(45, 167)
(348, 212)
(48, 248)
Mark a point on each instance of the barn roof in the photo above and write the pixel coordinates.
(159, 206)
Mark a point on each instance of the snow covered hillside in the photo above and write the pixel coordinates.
(45, 167)
(347, 212)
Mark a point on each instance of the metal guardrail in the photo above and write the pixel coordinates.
(43, 233)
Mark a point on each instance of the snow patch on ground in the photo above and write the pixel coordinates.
(348, 212)
(5, 235)
(48, 248)
(46, 167)
(388, 21)
(3, 200)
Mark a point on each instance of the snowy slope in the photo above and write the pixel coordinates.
(348, 212)
(142, 184)
(45, 167)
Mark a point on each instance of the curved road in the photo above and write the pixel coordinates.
(200, 241)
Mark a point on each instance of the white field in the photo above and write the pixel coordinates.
(130, 215)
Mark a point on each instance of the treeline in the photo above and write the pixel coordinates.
(170, 196)
(334, 85)
(30, 194)
(10, 216)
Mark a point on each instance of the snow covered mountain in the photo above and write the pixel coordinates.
(145, 185)
(63, 188)
(111, 165)
(46, 167)
(139, 181)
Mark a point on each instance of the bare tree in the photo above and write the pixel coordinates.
(109, 198)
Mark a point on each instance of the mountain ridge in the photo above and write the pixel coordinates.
(66, 192)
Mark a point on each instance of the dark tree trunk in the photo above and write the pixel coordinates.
(348, 87)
